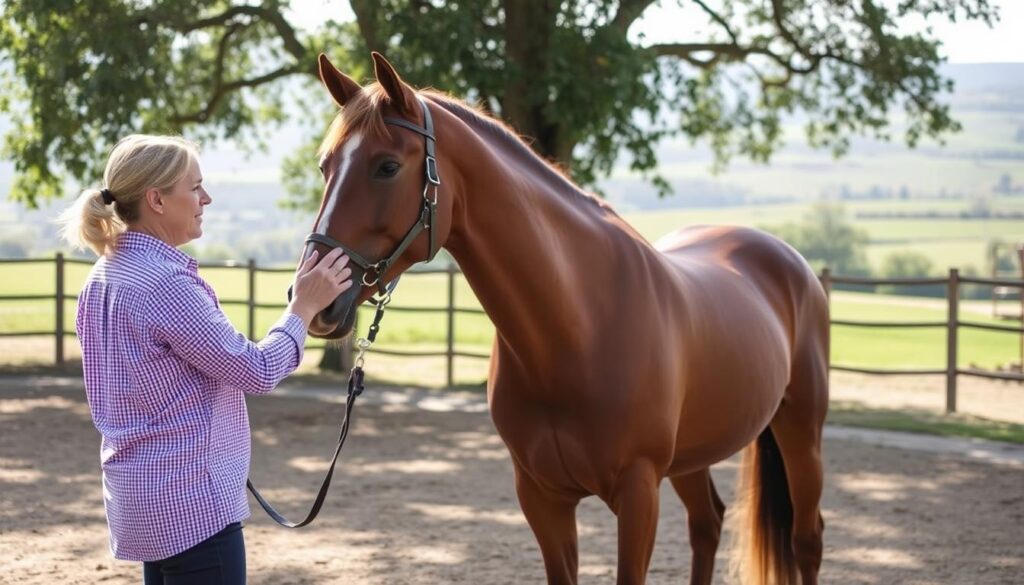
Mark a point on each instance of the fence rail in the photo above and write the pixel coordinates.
(952, 324)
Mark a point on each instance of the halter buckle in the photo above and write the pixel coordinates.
(432, 176)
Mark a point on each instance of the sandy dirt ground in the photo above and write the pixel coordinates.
(995, 400)
(424, 494)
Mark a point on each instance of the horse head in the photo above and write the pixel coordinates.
(383, 202)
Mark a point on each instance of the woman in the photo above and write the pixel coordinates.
(166, 372)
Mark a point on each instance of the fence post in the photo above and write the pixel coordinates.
(451, 325)
(826, 282)
(252, 299)
(59, 295)
(953, 296)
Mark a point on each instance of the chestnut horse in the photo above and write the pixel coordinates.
(615, 363)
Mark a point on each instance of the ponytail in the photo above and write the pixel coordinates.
(91, 223)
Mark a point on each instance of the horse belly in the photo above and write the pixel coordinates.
(581, 446)
(730, 397)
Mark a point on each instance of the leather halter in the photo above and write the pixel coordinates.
(355, 380)
(427, 211)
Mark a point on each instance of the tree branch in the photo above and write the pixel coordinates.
(284, 30)
(232, 20)
(721, 52)
(719, 20)
(223, 89)
(629, 11)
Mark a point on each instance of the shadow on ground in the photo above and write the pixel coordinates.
(425, 495)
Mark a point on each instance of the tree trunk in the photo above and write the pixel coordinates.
(366, 17)
(337, 356)
(529, 27)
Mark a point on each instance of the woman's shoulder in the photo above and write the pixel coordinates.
(143, 271)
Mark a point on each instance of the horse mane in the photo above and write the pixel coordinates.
(483, 121)
(363, 115)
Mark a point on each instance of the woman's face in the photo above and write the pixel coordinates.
(183, 206)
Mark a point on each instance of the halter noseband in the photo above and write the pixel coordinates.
(427, 211)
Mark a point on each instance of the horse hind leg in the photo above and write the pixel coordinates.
(553, 521)
(704, 513)
(797, 428)
(781, 484)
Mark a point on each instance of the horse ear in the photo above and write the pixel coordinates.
(401, 95)
(341, 86)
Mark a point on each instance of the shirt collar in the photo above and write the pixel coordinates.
(138, 241)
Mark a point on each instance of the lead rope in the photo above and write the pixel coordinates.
(355, 388)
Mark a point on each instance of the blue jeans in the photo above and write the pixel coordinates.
(218, 560)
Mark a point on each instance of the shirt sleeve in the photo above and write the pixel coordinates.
(186, 317)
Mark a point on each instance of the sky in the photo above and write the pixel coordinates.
(969, 42)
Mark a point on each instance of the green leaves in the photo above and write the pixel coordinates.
(566, 75)
(92, 71)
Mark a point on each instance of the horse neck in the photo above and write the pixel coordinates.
(540, 254)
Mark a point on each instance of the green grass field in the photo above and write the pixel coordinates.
(948, 243)
(852, 346)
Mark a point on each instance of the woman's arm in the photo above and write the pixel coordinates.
(186, 317)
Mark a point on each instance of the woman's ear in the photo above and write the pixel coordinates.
(154, 200)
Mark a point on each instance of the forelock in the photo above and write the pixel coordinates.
(362, 115)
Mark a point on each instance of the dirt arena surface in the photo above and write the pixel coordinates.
(424, 495)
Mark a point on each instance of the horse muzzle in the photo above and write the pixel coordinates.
(338, 319)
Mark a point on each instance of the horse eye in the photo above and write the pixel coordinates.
(388, 169)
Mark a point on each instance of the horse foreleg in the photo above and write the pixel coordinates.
(704, 513)
(553, 520)
(635, 503)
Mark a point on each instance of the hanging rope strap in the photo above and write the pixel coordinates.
(355, 388)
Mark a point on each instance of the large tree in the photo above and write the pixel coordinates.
(566, 74)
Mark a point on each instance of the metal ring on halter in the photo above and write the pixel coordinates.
(379, 269)
(382, 301)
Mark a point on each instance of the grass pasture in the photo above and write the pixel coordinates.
(948, 243)
(427, 331)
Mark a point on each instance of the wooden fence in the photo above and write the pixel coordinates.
(952, 324)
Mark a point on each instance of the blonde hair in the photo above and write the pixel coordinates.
(137, 163)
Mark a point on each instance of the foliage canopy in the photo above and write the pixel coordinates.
(571, 76)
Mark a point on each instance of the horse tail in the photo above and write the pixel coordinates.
(762, 544)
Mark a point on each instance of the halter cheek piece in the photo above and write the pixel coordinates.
(425, 222)
(355, 380)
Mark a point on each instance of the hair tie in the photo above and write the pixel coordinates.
(108, 197)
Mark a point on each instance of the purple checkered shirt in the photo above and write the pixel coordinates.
(165, 376)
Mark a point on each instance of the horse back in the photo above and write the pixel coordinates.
(723, 258)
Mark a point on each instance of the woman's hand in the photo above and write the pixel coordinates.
(318, 284)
